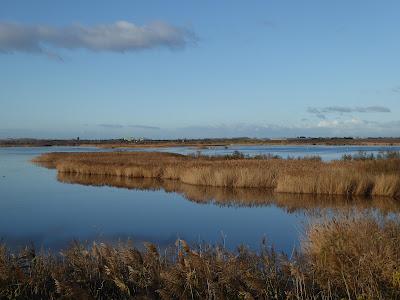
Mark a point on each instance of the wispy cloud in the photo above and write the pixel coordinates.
(321, 112)
(111, 126)
(268, 24)
(120, 126)
(144, 127)
(396, 89)
(345, 109)
(121, 36)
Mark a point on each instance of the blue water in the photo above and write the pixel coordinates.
(325, 152)
(36, 207)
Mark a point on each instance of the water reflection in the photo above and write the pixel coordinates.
(36, 207)
(240, 197)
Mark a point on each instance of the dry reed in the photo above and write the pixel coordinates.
(356, 257)
(304, 176)
(346, 259)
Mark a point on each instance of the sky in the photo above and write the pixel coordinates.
(198, 69)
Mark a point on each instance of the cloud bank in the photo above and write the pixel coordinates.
(350, 127)
(121, 36)
(323, 128)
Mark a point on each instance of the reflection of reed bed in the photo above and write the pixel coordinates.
(237, 196)
(199, 194)
(301, 176)
(340, 259)
(335, 203)
(111, 181)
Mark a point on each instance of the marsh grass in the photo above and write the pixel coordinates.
(351, 258)
(356, 257)
(301, 176)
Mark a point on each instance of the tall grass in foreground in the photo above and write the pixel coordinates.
(347, 259)
(357, 256)
(304, 176)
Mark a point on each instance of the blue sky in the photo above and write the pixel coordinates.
(166, 69)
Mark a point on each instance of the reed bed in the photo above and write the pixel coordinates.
(302, 176)
(358, 256)
(340, 259)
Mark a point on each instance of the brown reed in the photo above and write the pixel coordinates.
(341, 259)
(302, 176)
(357, 257)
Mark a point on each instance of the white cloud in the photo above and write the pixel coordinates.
(336, 123)
(121, 36)
(328, 123)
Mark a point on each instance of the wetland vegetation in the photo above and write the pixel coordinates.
(345, 255)
(347, 258)
(349, 177)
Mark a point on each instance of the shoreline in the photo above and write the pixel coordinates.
(202, 143)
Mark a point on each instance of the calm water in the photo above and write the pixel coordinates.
(50, 211)
(325, 152)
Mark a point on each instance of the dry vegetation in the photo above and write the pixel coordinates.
(301, 176)
(359, 256)
(347, 259)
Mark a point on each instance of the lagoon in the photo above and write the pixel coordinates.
(50, 211)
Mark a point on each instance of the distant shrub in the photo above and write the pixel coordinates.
(347, 157)
(237, 155)
(363, 155)
(267, 156)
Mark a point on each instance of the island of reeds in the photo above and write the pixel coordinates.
(363, 176)
(349, 258)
